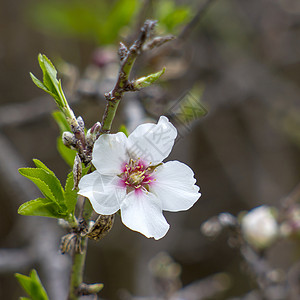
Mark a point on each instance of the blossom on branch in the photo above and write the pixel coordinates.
(131, 177)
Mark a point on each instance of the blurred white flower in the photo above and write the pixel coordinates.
(259, 227)
(131, 177)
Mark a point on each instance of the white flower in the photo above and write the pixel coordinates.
(259, 227)
(131, 177)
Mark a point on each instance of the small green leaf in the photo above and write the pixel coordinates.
(123, 129)
(44, 188)
(52, 85)
(41, 165)
(32, 285)
(41, 207)
(70, 194)
(49, 78)
(38, 83)
(47, 182)
(66, 153)
(148, 80)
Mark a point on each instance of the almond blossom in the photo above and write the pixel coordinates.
(131, 177)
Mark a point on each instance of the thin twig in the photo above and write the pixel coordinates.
(127, 58)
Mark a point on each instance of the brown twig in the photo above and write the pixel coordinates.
(127, 59)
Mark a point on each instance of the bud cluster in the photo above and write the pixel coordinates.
(79, 141)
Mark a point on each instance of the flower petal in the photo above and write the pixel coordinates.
(109, 153)
(142, 212)
(152, 142)
(175, 186)
(103, 192)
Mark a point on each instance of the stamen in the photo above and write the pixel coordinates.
(137, 175)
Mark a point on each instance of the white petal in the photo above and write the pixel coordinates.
(142, 212)
(152, 142)
(175, 186)
(109, 153)
(103, 192)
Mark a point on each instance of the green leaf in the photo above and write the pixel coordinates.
(41, 207)
(41, 165)
(52, 85)
(61, 121)
(32, 285)
(43, 187)
(148, 80)
(49, 78)
(66, 153)
(38, 83)
(70, 194)
(46, 181)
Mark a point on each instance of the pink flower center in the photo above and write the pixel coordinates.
(137, 176)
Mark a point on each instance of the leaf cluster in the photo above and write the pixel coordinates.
(59, 202)
(52, 85)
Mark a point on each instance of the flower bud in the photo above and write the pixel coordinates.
(96, 128)
(80, 122)
(92, 134)
(147, 80)
(77, 127)
(77, 171)
(123, 51)
(69, 139)
(259, 227)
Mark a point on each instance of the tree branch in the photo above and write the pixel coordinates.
(127, 58)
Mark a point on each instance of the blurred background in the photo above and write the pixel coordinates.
(237, 59)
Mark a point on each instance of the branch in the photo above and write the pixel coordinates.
(127, 58)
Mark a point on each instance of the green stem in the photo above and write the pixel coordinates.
(77, 270)
(109, 114)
